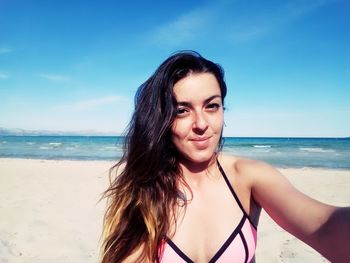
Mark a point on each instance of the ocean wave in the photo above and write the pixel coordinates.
(279, 152)
(70, 148)
(45, 148)
(110, 148)
(262, 146)
(315, 150)
(55, 144)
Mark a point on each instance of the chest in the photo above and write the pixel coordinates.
(205, 224)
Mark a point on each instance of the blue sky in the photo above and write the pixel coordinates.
(75, 65)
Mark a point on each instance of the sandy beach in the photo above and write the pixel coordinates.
(50, 211)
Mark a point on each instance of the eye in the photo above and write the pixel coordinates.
(213, 106)
(182, 111)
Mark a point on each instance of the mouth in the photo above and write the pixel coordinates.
(200, 139)
(201, 142)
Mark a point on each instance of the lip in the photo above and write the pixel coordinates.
(201, 143)
(200, 139)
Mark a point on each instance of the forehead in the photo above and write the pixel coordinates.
(196, 86)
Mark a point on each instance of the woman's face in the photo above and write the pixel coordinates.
(197, 127)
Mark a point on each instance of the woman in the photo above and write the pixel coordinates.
(176, 198)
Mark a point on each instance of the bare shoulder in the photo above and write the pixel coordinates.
(242, 173)
(262, 179)
(249, 169)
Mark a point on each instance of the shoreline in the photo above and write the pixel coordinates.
(53, 213)
(116, 160)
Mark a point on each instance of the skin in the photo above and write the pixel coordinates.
(197, 129)
(211, 213)
(195, 133)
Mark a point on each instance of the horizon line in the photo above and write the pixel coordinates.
(92, 133)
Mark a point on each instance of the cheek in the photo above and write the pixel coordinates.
(180, 129)
(217, 123)
(175, 134)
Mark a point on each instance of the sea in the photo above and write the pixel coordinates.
(280, 152)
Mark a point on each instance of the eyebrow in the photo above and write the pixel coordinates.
(186, 103)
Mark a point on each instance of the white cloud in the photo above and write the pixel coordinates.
(91, 104)
(4, 76)
(256, 25)
(4, 50)
(297, 8)
(55, 77)
(247, 33)
(231, 21)
(185, 28)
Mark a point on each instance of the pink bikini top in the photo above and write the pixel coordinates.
(239, 246)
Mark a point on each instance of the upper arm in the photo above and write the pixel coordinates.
(296, 212)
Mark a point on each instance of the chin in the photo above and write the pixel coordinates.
(201, 157)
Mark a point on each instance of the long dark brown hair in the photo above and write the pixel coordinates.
(141, 198)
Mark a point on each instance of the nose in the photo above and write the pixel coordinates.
(200, 122)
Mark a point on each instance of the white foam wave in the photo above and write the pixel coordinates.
(56, 144)
(45, 147)
(110, 147)
(262, 146)
(70, 148)
(316, 150)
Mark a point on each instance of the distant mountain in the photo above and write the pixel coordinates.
(24, 132)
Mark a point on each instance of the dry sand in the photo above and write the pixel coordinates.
(49, 211)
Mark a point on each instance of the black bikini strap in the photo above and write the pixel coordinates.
(233, 192)
(179, 251)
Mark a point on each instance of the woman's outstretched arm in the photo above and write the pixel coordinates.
(333, 237)
(324, 227)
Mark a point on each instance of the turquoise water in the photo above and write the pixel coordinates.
(281, 152)
(293, 152)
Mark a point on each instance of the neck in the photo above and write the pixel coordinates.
(196, 172)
